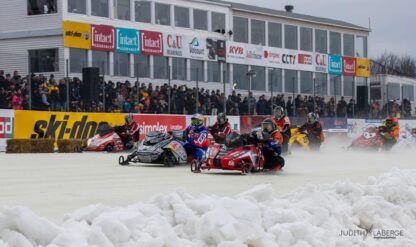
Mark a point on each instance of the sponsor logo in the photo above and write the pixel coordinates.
(254, 55)
(335, 64)
(288, 59)
(102, 38)
(174, 45)
(237, 50)
(152, 43)
(274, 57)
(195, 47)
(349, 66)
(321, 63)
(76, 34)
(305, 59)
(6, 127)
(128, 40)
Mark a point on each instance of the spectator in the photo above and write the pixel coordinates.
(262, 107)
(289, 107)
(43, 92)
(54, 96)
(62, 95)
(351, 109)
(342, 108)
(4, 102)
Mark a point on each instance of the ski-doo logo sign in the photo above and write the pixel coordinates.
(6, 127)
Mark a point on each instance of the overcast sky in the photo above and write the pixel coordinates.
(393, 22)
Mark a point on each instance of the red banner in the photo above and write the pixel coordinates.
(151, 43)
(305, 59)
(349, 66)
(163, 123)
(103, 38)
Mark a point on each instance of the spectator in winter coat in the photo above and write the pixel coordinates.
(262, 106)
(17, 100)
(4, 102)
(43, 91)
(289, 107)
(62, 94)
(54, 96)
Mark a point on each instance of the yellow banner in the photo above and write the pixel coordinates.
(77, 35)
(363, 67)
(61, 125)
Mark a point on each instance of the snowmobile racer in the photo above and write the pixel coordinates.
(282, 123)
(129, 132)
(314, 131)
(221, 128)
(390, 131)
(197, 138)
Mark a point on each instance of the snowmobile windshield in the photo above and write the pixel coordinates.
(233, 140)
(154, 137)
(104, 129)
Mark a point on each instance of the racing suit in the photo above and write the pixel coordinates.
(197, 141)
(315, 134)
(390, 135)
(129, 133)
(283, 124)
(220, 131)
(271, 149)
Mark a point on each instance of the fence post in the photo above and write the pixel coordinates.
(169, 91)
(103, 87)
(197, 90)
(30, 84)
(224, 81)
(67, 85)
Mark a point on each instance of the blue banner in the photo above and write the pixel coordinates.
(335, 64)
(128, 40)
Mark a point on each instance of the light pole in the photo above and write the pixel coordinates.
(250, 74)
(314, 94)
(271, 70)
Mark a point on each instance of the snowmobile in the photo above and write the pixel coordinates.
(159, 147)
(299, 138)
(371, 139)
(407, 139)
(106, 139)
(237, 154)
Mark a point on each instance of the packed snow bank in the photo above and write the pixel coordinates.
(314, 215)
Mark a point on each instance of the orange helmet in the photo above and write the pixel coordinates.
(395, 120)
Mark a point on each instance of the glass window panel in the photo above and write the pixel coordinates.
(178, 68)
(348, 85)
(200, 19)
(275, 34)
(348, 45)
(275, 77)
(361, 46)
(321, 41)
(121, 64)
(41, 7)
(291, 81)
(258, 32)
(335, 85)
(99, 8)
(335, 43)
(306, 82)
(217, 21)
(306, 39)
(181, 17)
(240, 77)
(393, 91)
(258, 82)
(214, 70)
(408, 92)
(240, 29)
(160, 67)
(46, 60)
(321, 84)
(142, 11)
(197, 68)
(291, 37)
(100, 60)
(162, 14)
(141, 66)
(78, 59)
(77, 6)
(123, 9)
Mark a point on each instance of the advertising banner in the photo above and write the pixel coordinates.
(335, 64)
(128, 40)
(61, 125)
(103, 38)
(196, 47)
(151, 43)
(216, 49)
(163, 123)
(174, 45)
(255, 55)
(236, 53)
(6, 127)
(305, 61)
(321, 62)
(77, 35)
(273, 57)
(348, 66)
(363, 67)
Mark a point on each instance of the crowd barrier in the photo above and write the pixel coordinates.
(81, 125)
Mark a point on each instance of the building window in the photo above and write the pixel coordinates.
(258, 82)
(240, 77)
(291, 81)
(162, 14)
(100, 60)
(291, 37)
(335, 85)
(46, 60)
(141, 66)
(240, 29)
(408, 92)
(78, 59)
(348, 45)
(393, 91)
(258, 32)
(77, 6)
(321, 84)
(41, 7)
(142, 11)
(181, 17)
(200, 19)
(99, 8)
(275, 34)
(178, 68)
(348, 85)
(321, 41)
(275, 78)
(361, 46)
(214, 70)
(121, 64)
(160, 67)
(197, 70)
(306, 39)
(335, 43)
(123, 9)
(306, 82)
(217, 21)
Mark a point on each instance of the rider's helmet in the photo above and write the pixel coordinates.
(267, 125)
(197, 120)
(388, 121)
(312, 117)
(221, 118)
(395, 121)
(279, 112)
(128, 119)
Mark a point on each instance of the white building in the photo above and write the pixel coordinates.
(296, 46)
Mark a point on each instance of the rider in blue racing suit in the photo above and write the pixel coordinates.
(197, 137)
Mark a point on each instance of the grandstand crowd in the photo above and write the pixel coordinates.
(50, 94)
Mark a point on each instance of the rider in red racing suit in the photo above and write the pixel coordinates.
(221, 128)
